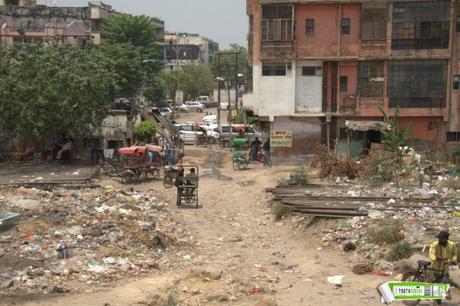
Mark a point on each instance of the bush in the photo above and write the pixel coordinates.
(300, 177)
(282, 182)
(279, 210)
(386, 232)
(400, 251)
(145, 131)
(377, 169)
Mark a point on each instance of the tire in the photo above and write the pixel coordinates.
(168, 181)
(200, 110)
(412, 277)
(128, 177)
(153, 173)
(236, 165)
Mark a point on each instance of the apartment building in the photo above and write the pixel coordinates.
(320, 63)
(188, 48)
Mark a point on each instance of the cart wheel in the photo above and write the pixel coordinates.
(236, 165)
(242, 166)
(128, 177)
(153, 174)
(168, 181)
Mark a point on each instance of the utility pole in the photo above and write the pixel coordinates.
(236, 82)
(218, 90)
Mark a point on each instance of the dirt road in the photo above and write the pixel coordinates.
(248, 255)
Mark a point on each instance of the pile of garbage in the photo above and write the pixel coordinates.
(418, 223)
(67, 240)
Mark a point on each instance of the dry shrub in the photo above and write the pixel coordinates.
(386, 232)
(399, 251)
(377, 169)
(279, 210)
(330, 165)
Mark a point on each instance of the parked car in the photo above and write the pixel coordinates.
(228, 132)
(224, 106)
(206, 101)
(192, 106)
(188, 132)
(165, 112)
(210, 119)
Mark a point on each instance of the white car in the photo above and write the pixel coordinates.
(194, 106)
(165, 112)
(210, 119)
(189, 132)
(224, 106)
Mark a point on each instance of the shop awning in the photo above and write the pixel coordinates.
(365, 126)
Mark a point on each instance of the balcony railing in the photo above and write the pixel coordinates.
(276, 48)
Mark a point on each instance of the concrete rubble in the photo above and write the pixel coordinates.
(73, 240)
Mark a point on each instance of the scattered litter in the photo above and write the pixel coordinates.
(335, 280)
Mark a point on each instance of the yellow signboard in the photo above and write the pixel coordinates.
(234, 113)
(281, 139)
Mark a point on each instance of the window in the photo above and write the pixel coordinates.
(457, 26)
(374, 22)
(311, 71)
(456, 85)
(343, 83)
(274, 69)
(417, 83)
(277, 23)
(371, 79)
(310, 27)
(421, 25)
(453, 136)
(346, 26)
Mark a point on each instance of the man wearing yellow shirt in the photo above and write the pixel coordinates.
(442, 253)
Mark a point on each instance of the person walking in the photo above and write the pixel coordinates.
(267, 152)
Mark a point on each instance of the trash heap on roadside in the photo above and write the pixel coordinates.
(394, 221)
(70, 240)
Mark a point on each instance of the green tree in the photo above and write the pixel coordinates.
(131, 42)
(127, 62)
(145, 131)
(396, 138)
(48, 90)
(229, 65)
(196, 80)
(139, 31)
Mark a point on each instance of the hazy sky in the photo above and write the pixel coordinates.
(224, 21)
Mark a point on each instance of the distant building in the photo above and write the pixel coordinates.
(185, 48)
(25, 20)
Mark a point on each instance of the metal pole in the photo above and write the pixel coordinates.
(236, 82)
(218, 91)
(173, 115)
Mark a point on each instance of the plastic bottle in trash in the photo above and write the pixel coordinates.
(63, 251)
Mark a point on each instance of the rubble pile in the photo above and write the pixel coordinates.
(67, 240)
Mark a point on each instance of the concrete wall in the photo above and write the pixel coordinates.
(327, 40)
(309, 89)
(306, 135)
(324, 42)
(275, 94)
(428, 129)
